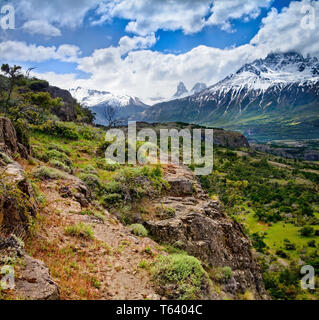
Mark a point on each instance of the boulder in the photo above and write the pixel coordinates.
(8, 139)
(34, 281)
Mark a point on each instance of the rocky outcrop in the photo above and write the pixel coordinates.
(34, 281)
(229, 139)
(17, 200)
(301, 152)
(67, 111)
(8, 139)
(201, 227)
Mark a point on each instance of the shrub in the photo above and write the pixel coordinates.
(60, 165)
(53, 146)
(46, 173)
(102, 164)
(112, 199)
(79, 230)
(59, 129)
(6, 159)
(92, 181)
(289, 246)
(112, 187)
(139, 230)
(90, 170)
(282, 254)
(57, 155)
(222, 274)
(228, 273)
(312, 244)
(307, 231)
(183, 272)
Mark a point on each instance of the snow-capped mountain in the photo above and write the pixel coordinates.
(127, 106)
(282, 89)
(276, 70)
(93, 98)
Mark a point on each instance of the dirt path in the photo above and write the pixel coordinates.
(113, 258)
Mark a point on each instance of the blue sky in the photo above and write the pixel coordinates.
(145, 47)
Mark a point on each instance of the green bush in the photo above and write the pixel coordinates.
(46, 173)
(112, 199)
(307, 231)
(312, 244)
(228, 273)
(92, 181)
(90, 170)
(53, 146)
(59, 129)
(102, 164)
(5, 158)
(183, 272)
(57, 155)
(60, 165)
(112, 187)
(139, 230)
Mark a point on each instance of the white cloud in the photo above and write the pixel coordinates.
(292, 29)
(225, 11)
(145, 16)
(20, 51)
(127, 44)
(191, 16)
(149, 74)
(41, 27)
(64, 13)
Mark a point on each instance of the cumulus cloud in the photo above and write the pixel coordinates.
(20, 51)
(127, 44)
(191, 16)
(63, 13)
(225, 11)
(295, 28)
(41, 27)
(150, 74)
(144, 17)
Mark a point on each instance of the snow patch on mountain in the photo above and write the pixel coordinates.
(92, 98)
(278, 69)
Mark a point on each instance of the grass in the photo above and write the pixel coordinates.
(139, 230)
(80, 230)
(277, 233)
(46, 173)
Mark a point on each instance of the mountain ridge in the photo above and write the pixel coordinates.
(283, 88)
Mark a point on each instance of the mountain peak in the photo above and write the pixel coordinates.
(198, 87)
(181, 90)
(276, 69)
